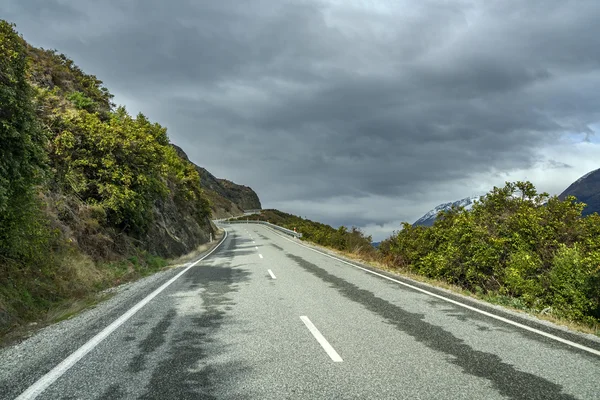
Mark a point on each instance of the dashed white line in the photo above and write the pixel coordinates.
(427, 292)
(272, 274)
(260, 255)
(256, 247)
(42, 384)
(321, 339)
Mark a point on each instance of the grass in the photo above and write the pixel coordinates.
(77, 284)
(72, 284)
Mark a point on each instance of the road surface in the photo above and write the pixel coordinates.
(264, 317)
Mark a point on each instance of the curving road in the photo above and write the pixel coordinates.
(265, 317)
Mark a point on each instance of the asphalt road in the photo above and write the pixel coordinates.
(266, 318)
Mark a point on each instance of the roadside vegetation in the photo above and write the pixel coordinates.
(351, 240)
(515, 247)
(81, 181)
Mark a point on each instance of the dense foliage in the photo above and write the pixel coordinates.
(343, 239)
(81, 183)
(55, 71)
(122, 164)
(22, 156)
(515, 243)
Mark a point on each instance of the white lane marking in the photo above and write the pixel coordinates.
(272, 274)
(253, 241)
(496, 317)
(256, 247)
(321, 339)
(42, 384)
(260, 255)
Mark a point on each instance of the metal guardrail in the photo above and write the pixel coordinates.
(250, 212)
(276, 227)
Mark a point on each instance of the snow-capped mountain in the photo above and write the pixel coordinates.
(429, 218)
(587, 190)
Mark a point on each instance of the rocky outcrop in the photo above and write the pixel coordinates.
(175, 230)
(243, 196)
(227, 198)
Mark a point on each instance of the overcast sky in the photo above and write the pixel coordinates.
(354, 112)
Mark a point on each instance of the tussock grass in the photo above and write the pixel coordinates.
(76, 284)
(65, 285)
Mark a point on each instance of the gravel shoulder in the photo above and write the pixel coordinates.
(22, 363)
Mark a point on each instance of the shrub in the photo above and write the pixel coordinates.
(514, 242)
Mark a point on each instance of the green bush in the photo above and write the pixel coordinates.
(81, 101)
(514, 242)
(521, 276)
(568, 279)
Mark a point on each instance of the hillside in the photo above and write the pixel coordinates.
(351, 240)
(587, 190)
(90, 196)
(226, 198)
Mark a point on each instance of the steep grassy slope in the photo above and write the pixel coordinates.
(89, 195)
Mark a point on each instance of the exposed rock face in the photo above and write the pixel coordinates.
(174, 229)
(227, 198)
(587, 190)
(241, 195)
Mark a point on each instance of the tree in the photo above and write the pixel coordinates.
(22, 142)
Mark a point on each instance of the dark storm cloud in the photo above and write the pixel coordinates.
(316, 101)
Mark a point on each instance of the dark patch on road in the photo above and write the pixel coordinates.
(114, 392)
(231, 249)
(129, 338)
(506, 379)
(238, 253)
(469, 316)
(277, 247)
(185, 372)
(155, 339)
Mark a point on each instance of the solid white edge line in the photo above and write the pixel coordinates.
(48, 379)
(272, 274)
(497, 317)
(260, 255)
(321, 339)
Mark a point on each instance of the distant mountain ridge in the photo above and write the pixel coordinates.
(586, 189)
(429, 218)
